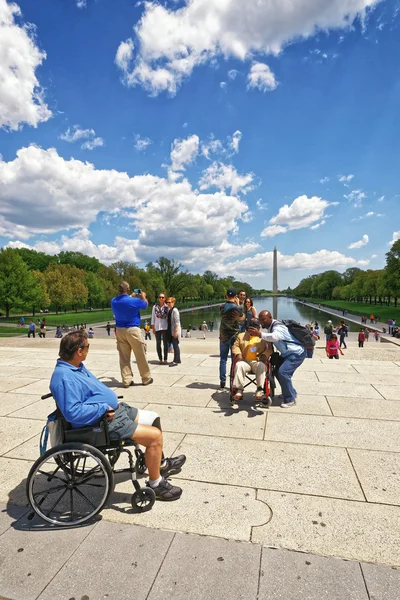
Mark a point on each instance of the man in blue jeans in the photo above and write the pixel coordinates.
(231, 318)
(291, 351)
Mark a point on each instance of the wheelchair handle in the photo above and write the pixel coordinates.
(46, 396)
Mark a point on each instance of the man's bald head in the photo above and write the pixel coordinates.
(265, 318)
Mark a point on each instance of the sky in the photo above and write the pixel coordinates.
(206, 131)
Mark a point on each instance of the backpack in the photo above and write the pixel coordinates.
(328, 329)
(303, 335)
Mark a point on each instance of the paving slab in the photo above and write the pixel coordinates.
(310, 405)
(176, 395)
(203, 508)
(210, 421)
(331, 527)
(269, 465)
(98, 573)
(16, 431)
(30, 558)
(162, 379)
(10, 402)
(364, 408)
(298, 576)
(322, 388)
(199, 381)
(383, 583)
(353, 378)
(379, 475)
(38, 388)
(388, 369)
(333, 431)
(197, 568)
(7, 520)
(8, 384)
(390, 392)
(13, 474)
(336, 366)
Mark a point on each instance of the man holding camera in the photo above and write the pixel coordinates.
(126, 309)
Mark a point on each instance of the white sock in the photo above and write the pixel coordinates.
(154, 482)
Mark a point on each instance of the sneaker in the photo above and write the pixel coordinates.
(165, 491)
(222, 384)
(148, 382)
(238, 396)
(126, 385)
(173, 465)
(288, 404)
(173, 364)
(259, 393)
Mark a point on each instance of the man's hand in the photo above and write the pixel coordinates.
(239, 357)
(143, 296)
(110, 414)
(253, 331)
(263, 358)
(153, 330)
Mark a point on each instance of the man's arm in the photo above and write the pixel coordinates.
(70, 400)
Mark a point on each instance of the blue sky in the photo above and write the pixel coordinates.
(208, 132)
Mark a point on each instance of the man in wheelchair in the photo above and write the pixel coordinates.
(84, 400)
(250, 356)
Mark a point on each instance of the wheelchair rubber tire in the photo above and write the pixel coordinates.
(61, 476)
(143, 500)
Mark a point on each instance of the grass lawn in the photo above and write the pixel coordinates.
(357, 308)
(12, 331)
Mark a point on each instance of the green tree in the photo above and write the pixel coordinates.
(18, 287)
(36, 261)
(392, 271)
(170, 272)
(79, 260)
(42, 298)
(96, 295)
(58, 285)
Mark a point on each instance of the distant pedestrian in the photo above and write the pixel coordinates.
(211, 324)
(58, 332)
(342, 335)
(250, 312)
(174, 330)
(31, 329)
(328, 329)
(390, 326)
(361, 338)
(377, 336)
(108, 328)
(159, 324)
(204, 329)
(333, 348)
(147, 331)
(366, 332)
(42, 330)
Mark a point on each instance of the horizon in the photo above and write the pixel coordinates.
(126, 140)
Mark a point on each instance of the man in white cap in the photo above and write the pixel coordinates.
(328, 330)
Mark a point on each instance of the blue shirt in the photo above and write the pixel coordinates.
(80, 396)
(126, 310)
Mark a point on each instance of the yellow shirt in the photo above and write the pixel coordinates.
(251, 350)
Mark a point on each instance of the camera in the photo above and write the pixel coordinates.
(137, 291)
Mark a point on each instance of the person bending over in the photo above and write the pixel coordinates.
(252, 354)
(84, 401)
(291, 351)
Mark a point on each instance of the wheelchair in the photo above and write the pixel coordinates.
(72, 482)
(269, 384)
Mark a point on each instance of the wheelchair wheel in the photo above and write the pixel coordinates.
(140, 465)
(69, 484)
(143, 499)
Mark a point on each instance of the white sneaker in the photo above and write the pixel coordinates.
(288, 404)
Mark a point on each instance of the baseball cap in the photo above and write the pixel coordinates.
(231, 292)
(329, 321)
(255, 323)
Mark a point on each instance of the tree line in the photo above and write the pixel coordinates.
(371, 286)
(72, 280)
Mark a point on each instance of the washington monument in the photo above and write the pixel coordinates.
(275, 273)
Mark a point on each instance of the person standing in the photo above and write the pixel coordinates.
(42, 330)
(108, 328)
(250, 312)
(211, 325)
(174, 330)
(390, 325)
(366, 333)
(333, 348)
(376, 336)
(242, 305)
(126, 309)
(159, 325)
(31, 329)
(328, 330)
(231, 316)
(342, 334)
(361, 338)
(292, 353)
(147, 329)
(204, 329)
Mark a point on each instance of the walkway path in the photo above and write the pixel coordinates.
(298, 504)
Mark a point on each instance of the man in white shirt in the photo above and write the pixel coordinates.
(291, 351)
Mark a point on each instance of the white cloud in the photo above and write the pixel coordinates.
(303, 212)
(41, 192)
(356, 196)
(363, 242)
(261, 205)
(259, 263)
(345, 178)
(21, 97)
(368, 215)
(172, 40)
(81, 3)
(213, 146)
(223, 85)
(395, 238)
(381, 199)
(76, 133)
(141, 143)
(324, 180)
(232, 74)
(225, 177)
(184, 152)
(318, 225)
(237, 136)
(261, 78)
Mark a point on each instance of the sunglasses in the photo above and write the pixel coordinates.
(169, 302)
(161, 297)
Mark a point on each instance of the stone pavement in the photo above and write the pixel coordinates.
(272, 503)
